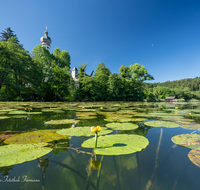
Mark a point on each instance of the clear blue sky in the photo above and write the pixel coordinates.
(162, 35)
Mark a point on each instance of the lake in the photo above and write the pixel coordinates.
(135, 148)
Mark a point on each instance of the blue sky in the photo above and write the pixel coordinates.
(162, 35)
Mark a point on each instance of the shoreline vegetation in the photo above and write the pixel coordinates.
(46, 76)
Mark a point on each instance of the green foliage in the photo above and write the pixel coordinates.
(46, 76)
(181, 89)
(8, 33)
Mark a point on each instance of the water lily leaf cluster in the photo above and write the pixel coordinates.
(117, 144)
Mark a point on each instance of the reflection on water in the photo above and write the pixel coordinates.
(162, 165)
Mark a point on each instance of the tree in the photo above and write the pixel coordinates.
(15, 67)
(55, 75)
(115, 89)
(8, 33)
(101, 78)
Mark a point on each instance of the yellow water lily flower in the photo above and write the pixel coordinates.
(83, 107)
(190, 113)
(176, 107)
(101, 108)
(95, 164)
(96, 129)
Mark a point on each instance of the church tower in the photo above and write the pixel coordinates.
(46, 40)
(74, 73)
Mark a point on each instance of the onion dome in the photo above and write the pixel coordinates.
(46, 40)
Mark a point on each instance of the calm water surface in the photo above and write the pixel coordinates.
(160, 166)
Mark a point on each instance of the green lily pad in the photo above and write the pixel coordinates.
(63, 121)
(138, 119)
(34, 113)
(47, 110)
(34, 137)
(117, 144)
(118, 119)
(4, 117)
(122, 126)
(86, 110)
(18, 116)
(1, 113)
(192, 126)
(194, 156)
(85, 113)
(187, 140)
(7, 110)
(82, 131)
(18, 153)
(87, 117)
(166, 124)
(193, 115)
(23, 113)
(18, 112)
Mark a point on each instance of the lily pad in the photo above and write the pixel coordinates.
(138, 119)
(34, 137)
(122, 126)
(63, 121)
(87, 117)
(82, 131)
(23, 113)
(166, 124)
(18, 112)
(85, 113)
(4, 117)
(7, 110)
(187, 140)
(117, 144)
(47, 110)
(18, 153)
(1, 113)
(192, 126)
(18, 116)
(194, 156)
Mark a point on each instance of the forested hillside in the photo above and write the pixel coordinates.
(184, 88)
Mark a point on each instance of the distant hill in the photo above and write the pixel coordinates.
(192, 83)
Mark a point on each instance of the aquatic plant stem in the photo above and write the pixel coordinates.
(138, 165)
(95, 145)
(117, 172)
(149, 183)
(156, 162)
(99, 173)
(89, 174)
(71, 169)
